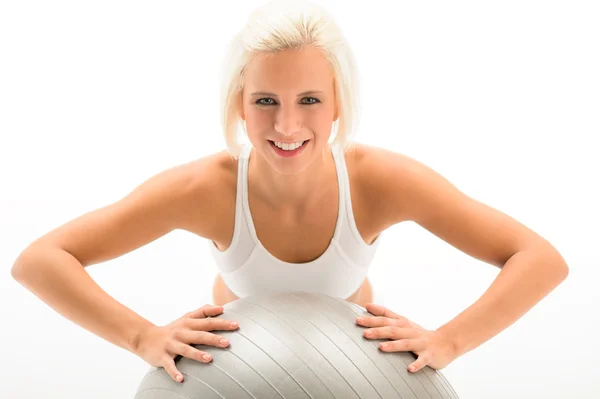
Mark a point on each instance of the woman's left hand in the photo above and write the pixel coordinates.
(432, 348)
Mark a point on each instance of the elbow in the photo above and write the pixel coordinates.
(548, 259)
(24, 263)
(554, 261)
(559, 263)
(17, 271)
(564, 270)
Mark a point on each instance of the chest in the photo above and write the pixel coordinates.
(300, 237)
(304, 237)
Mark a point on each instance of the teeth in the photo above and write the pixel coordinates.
(288, 147)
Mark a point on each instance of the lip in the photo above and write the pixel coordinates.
(288, 141)
(288, 154)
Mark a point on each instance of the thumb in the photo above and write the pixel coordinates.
(379, 310)
(206, 311)
(171, 369)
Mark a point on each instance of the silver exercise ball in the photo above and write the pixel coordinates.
(296, 345)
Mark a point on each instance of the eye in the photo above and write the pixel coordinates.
(270, 101)
(316, 100)
(259, 101)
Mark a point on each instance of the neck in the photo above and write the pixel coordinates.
(292, 193)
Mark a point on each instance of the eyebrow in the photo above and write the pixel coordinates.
(264, 93)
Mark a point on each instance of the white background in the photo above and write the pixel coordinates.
(502, 98)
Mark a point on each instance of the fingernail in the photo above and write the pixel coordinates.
(368, 333)
(360, 319)
(179, 378)
(223, 341)
(233, 324)
(411, 368)
(206, 357)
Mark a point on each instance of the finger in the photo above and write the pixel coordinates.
(379, 310)
(379, 321)
(205, 311)
(202, 338)
(169, 365)
(190, 352)
(210, 324)
(422, 361)
(402, 345)
(390, 332)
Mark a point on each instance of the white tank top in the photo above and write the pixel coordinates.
(247, 268)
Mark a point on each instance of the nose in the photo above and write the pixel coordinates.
(288, 120)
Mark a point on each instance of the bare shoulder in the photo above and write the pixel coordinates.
(187, 196)
(367, 173)
(395, 183)
(404, 189)
(208, 188)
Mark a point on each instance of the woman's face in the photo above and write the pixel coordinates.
(289, 97)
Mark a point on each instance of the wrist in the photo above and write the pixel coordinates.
(135, 336)
(452, 340)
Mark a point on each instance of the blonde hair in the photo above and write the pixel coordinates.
(281, 25)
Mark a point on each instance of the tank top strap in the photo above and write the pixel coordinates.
(343, 187)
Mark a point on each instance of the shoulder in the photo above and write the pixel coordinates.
(380, 166)
(201, 189)
(404, 189)
(206, 175)
(185, 196)
(399, 187)
(213, 172)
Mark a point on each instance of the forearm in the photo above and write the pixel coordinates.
(58, 279)
(525, 279)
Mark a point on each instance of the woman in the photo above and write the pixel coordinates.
(292, 211)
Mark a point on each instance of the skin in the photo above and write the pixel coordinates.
(299, 196)
(290, 184)
(275, 106)
(387, 188)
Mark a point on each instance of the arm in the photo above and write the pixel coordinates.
(58, 278)
(525, 279)
(530, 266)
(52, 267)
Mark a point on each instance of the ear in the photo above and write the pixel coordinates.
(336, 110)
(240, 106)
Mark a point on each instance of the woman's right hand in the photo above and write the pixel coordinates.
(159, 345)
